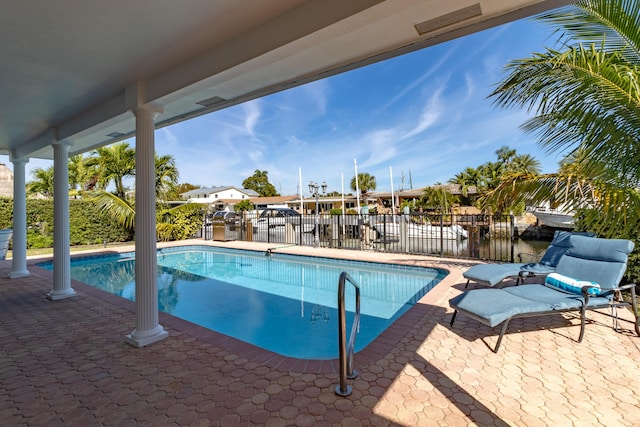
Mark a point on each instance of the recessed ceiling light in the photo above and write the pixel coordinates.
(211, 101)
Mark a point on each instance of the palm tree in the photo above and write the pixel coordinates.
(438, 199)
(42, 183)
(366, 182)
(505, 154)
(586, 99)
(524, 163)
(490, 175)
(112, 164)
(166, 175)
(172, 223)
(585, 96)
(469, 177)
(78, 175)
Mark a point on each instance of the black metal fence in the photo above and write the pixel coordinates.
(487, 237)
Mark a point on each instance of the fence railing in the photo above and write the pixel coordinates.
(488, 237)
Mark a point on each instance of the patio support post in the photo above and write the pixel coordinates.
(147, 330)
(19, 251)
(61, 252)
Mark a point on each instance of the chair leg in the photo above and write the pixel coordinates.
(467, 285)
(453, 318)
(502, 331)
(634, 307)
(583, 321)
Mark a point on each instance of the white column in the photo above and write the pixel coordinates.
(147, 330)
(19, 252)
(61, 256)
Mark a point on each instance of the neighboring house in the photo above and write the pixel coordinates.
(219, 198)
(325, 204)
(6, 181)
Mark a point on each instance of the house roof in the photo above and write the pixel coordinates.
(273, 200)
(213, 190)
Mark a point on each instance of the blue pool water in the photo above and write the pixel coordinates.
(283, 303)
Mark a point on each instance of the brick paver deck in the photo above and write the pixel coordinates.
(66, 363)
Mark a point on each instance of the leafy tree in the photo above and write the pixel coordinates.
(366, 183)
(259, 182)
(42, 183)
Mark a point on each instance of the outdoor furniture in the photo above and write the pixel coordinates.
(594, 265)
(5, 237)
(494, 274)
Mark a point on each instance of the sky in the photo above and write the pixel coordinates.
(419, 118)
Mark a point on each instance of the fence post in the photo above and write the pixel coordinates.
(512, 220)
(441, 233)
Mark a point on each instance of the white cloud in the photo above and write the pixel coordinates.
(252, 112)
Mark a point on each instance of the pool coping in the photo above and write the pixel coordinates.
(374, 351)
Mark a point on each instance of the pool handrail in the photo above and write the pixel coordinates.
(346, 352)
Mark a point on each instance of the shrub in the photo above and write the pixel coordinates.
(87, 225)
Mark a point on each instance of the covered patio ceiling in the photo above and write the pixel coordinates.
(72, 70)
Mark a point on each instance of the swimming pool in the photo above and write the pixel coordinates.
(282, 303)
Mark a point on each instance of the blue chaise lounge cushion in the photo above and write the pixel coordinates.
(493, 274)
(494, 306)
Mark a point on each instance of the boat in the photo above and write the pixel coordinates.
(424, 231)
(554, 218)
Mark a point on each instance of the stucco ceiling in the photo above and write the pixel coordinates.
(72, 70)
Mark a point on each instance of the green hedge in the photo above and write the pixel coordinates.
(86, 224)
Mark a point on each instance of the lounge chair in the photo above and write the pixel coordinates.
(495, 274)
(5, 238)
(595, 265)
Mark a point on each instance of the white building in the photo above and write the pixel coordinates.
(219, 198)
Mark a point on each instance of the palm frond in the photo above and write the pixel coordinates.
(118, 209)
(611, 24)
(583, 98)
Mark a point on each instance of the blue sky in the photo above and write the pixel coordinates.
(424, 114)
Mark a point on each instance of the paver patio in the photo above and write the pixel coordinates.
(66, 363)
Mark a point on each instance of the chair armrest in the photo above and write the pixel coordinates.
(522, 254)
(627, 286)
(585, 291)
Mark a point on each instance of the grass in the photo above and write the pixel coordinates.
(49, 251)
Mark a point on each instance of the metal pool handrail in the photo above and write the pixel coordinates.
(346, 352)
